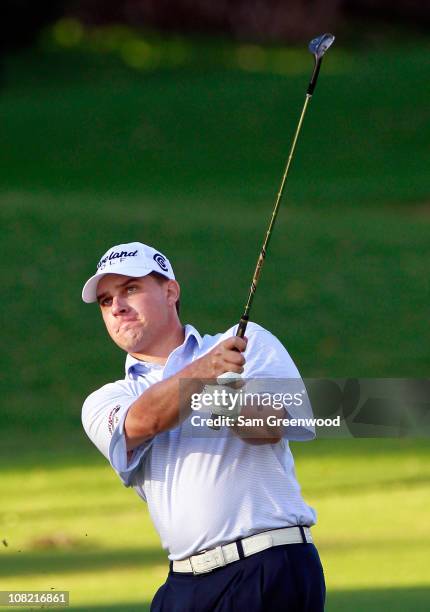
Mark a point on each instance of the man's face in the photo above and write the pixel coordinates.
(136, 311)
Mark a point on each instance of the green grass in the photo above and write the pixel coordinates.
(190, 159)
(74, 527)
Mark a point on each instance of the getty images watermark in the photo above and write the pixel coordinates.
(330, 408)
(240, 408)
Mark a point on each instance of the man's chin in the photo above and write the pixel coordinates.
(128, 343)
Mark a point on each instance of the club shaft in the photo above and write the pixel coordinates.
(260, 261)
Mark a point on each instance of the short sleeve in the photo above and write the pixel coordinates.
(103, 417)
(270, 368)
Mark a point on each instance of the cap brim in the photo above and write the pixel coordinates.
(89, 292)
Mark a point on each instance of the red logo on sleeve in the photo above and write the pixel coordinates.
(113, 419)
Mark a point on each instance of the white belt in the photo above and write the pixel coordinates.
(222, 555)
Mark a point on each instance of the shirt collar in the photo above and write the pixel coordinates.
(142, 367)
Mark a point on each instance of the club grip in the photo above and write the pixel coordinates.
(314, 78)
(241, 328)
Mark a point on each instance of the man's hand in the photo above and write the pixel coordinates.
(224, 357)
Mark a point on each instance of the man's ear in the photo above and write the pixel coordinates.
(173, 291)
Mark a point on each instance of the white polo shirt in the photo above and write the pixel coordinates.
(211, 488)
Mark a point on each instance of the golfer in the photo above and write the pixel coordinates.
(226, 502)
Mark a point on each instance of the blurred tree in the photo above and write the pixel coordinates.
(243, 19)
(22, 20)
(261, 20)
(413, 11)
(265, 20)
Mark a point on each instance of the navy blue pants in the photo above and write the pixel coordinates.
(286, 578)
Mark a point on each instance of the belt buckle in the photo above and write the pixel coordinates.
(195, 569)
(222, 560)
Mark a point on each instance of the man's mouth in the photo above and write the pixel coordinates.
(127, 323)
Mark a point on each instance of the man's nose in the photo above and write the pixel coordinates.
(119, 305)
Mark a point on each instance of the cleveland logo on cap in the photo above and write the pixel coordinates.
(161, 261)
(114, 256)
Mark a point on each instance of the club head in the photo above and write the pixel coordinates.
(319, 45)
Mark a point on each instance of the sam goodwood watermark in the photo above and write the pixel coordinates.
(332, 408)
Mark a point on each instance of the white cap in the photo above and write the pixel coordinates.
(132, 259)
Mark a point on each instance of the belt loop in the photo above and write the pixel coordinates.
(240, 549)
(302, 533)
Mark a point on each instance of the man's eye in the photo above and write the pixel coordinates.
(106, 302)
(131, 288)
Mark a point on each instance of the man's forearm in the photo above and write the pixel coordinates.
(253, 427)
(161, 407)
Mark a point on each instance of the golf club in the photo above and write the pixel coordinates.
(318, 47)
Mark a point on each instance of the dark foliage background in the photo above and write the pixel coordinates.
(258, 20)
